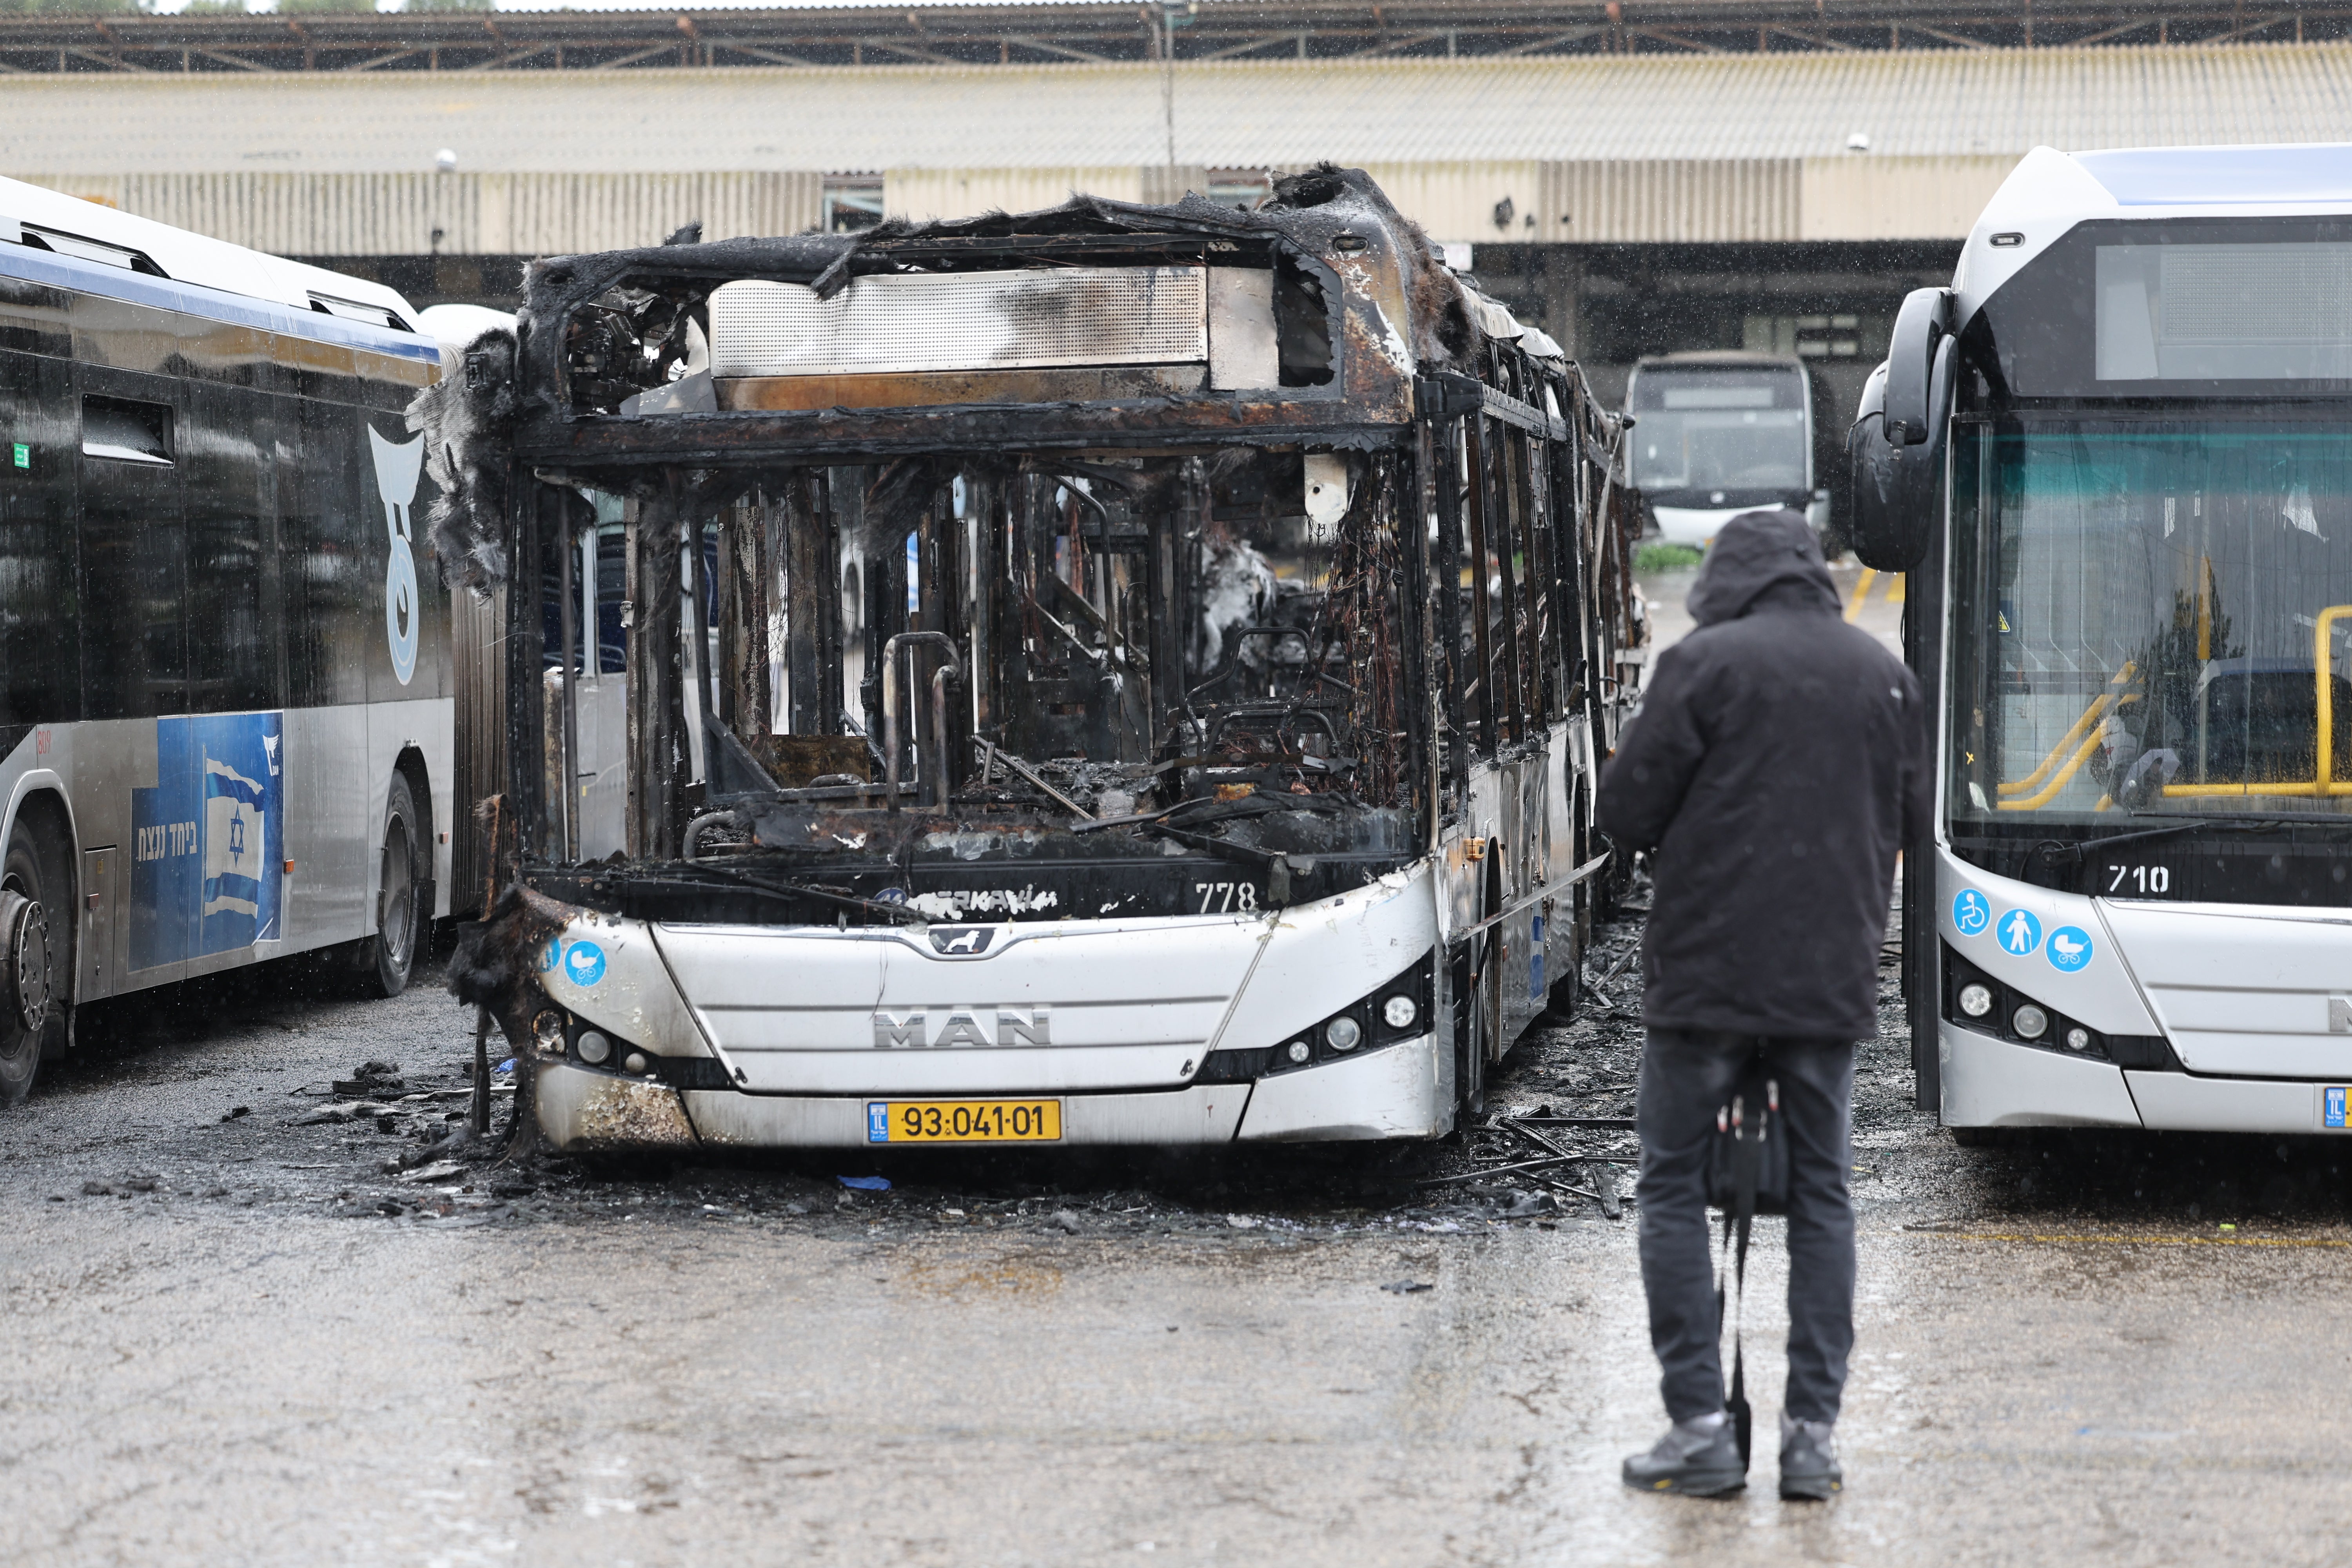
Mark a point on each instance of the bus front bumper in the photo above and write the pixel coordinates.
(1994, 1083)
(1392, 1092)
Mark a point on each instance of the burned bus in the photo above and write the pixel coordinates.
(1118, 674)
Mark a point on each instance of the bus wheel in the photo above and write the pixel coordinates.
(27, 978)
(390, 956)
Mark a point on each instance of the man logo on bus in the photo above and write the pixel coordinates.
(2020, 933)
(397, 464)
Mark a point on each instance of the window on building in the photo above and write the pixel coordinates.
(1807, 337)
(852, 202)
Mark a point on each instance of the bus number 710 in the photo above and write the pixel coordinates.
(2142, 879)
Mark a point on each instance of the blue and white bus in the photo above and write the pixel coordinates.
(2117, 456)
(227, 686)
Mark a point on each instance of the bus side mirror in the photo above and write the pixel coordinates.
(1921, 328)
(1896, 445)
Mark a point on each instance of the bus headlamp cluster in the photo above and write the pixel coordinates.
(1389, 1015)
(1988, 1005)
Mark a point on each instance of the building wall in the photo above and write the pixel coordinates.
(302, 213)
(1617, 201)
(966, 193)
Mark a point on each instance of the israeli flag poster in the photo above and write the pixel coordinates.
(208, 841)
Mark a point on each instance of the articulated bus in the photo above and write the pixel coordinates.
(1146, 685)
(226, 689)
(2116, 455)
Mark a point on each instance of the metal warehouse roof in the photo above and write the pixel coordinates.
(1236, 113)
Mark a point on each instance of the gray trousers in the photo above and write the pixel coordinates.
(1686, 1078)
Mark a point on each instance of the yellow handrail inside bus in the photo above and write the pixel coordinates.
(2099, 705)
(2323, 673)
(2325, 784)
(2049, 792)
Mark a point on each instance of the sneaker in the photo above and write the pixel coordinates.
(1809, 1464)
(1698, 1457)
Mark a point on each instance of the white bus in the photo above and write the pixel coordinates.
(1717, 434)
(1151, 691)
(2117, 457)
(227, 686)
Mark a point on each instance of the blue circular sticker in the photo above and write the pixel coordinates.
(1972, 913)
(2019, 933)
(584, 964)
(2069, 949)
(549, 954)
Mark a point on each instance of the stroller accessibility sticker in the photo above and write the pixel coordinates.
(584, 962)
(2020, 932)
(1972, 913)
(2069, 949)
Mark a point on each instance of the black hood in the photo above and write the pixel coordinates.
(1754, 553)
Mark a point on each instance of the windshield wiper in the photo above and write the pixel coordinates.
(2054, 849)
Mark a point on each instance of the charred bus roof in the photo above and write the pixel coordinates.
(1097, 324)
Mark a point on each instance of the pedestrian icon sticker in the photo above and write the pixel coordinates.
(1972, 913)
(2069, 949)
(2020, 933)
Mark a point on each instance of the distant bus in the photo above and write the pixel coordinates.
(226, 699)
(1716, 435)
(2115, 456)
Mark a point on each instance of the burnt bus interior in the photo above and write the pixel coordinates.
(1106, 560)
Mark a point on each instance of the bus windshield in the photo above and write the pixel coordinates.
(2150, 617)
(1732, 428)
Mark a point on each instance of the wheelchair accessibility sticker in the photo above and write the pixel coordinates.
(2069, 949)
(584, 964)
(1972, 913)
(2020, 932)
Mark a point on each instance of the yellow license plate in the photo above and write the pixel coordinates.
(963, 1121)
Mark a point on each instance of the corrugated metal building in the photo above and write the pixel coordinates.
(1588, 149)
(1630, 204)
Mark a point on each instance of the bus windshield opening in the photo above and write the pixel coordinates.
(2150, 617)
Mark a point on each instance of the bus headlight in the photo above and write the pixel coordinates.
(2078, 1039)
(1976, 1001)
(1343, 1033)
(2028, 1021)
(1298, 1051)
(595, 1049)
(1399, 1012)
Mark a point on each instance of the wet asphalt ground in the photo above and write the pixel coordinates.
(237, 1338)
(232, 1336)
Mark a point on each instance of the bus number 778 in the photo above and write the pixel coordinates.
(1224, 898)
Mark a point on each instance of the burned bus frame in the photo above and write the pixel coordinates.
(1483, 534)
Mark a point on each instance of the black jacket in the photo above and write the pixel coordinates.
(1776, 764)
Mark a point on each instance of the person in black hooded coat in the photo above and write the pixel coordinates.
(1776, 765)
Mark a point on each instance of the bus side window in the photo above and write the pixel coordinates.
(237, 652)
(40, 609)
(133, 553)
